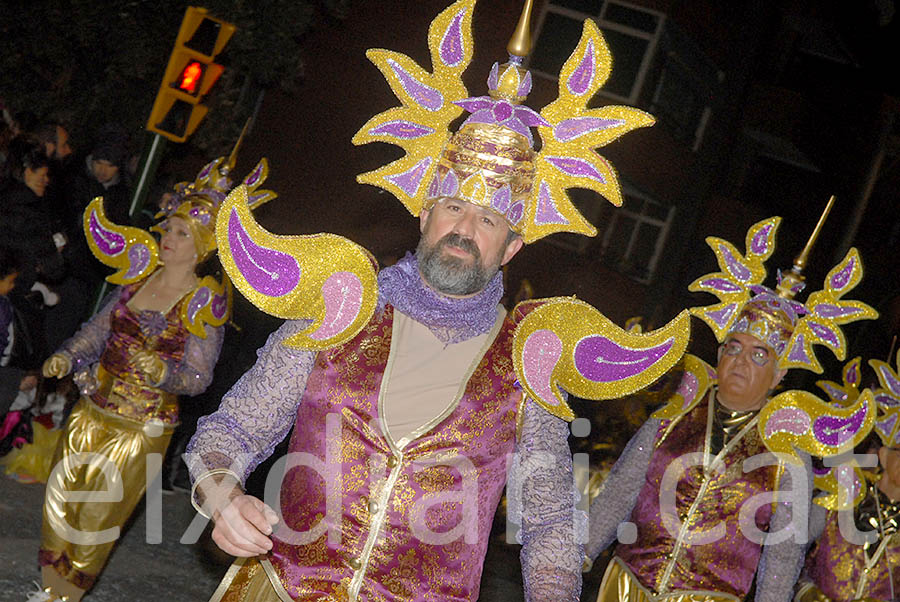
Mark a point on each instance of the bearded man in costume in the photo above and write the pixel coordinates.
(715, 486)
(408, 393)
(858, 558)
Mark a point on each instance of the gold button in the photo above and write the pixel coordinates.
(373, 507)
(354, 563)
(392, 462)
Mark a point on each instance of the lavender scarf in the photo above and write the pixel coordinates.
(451, 320)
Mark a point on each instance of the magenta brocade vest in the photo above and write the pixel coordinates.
(726, 566)
(836, 566)
(398, 517)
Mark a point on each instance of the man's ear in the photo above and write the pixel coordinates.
(776, 378)
(882, 456)
(423, 219)
(514, 246)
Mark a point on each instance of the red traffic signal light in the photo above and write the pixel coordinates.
(189, 75)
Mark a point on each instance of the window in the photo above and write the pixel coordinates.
(631, 31)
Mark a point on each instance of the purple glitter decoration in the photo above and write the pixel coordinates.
(219, 306)
(578, 168)
(399, 128)
(600, 359)
(410, 180)
(760, 242)
(820, 471)
(886, 426)
(501, 199)
(687, 388)
(109, 242)
(834, 392)
(517, 118)
(829, 311)
(546, 212)
(451, 47)
(525, 86)
(206, 169)
(138, 260)
(720, 317)
(798, 351)
(267, 271)
(887, 400)
(842, 278)
(450, 185)
(516, 213)
(540, 354)
(425, 96)
(252, 179)
(824, 333)
(837, 431)
(893, 385)
(435, 186)
(198, 301)
(853, 373)
(737, 269)
(493, 80)
(343, 296)
(570, 129)
(721, 285)
(789, 420)
(581, 80)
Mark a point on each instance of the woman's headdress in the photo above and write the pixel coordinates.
(135, 254)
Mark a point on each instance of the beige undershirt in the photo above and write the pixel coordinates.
(427, 375)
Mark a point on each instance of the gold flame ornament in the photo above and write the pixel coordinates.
(324, 278)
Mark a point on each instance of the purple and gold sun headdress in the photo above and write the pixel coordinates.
(789, 327)
(135, 253)
(490, 161)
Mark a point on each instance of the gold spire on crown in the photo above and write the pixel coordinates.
(792, 281)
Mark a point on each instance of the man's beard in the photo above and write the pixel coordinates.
(453, 275)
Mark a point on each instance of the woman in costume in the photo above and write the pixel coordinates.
(838, 569)
(157, 337)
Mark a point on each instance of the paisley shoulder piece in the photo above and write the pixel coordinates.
(887, 398)
(843, 394)
(421, 125)
(570, 131)
(799, 419)
(567, 343)
(696, 380)
(209, 303)
(258, 175)
(323, 277)
(131, 251)
(844, 485)
(738, 273)
(827, 312)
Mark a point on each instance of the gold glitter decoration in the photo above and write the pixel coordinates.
(205, 315)
(887, 398)
(132, 236)
(317, 257)
(567, 322)
(697, 379)
(847, 392)
(793, 415)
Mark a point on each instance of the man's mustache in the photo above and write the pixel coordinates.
(457, 240)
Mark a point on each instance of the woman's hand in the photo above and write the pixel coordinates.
(56, 366)
(150, 364)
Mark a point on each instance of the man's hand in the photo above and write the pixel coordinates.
(56, 365)
(243, 527)
(243, 523)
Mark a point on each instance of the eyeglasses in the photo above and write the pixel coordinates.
(758, 356)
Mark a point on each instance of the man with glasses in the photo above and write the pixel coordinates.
(710, 510)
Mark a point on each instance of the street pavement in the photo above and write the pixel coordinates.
(143, 572)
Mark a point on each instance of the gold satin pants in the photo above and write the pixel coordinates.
(99, 475)
(620, 585)
(250, 580)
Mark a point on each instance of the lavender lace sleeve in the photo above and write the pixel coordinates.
(194, 372)
(551, 551)
(619, 491)
(258, 411)
(87, 344)
(780, 563)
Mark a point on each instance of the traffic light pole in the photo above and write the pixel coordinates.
(154, 147)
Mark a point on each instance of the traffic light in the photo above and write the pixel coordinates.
(190, 74)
